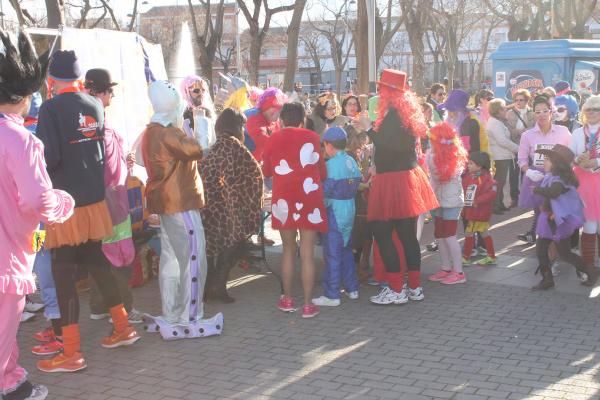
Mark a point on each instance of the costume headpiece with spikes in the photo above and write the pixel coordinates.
(21, 72)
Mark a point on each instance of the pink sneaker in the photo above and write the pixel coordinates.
(453, 278)
(286, 304)
(439, 276)
(309, 310)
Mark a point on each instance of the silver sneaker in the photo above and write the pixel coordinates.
(134, 317)
(416, 294)
(32, 307)
(388, 296)
(555, 268)
(38, 392)
(27, 316)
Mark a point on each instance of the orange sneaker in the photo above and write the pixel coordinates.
(62, 363)
(47, 349)
(127, 337)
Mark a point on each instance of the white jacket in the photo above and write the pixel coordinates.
(501, 147)
(449, 194)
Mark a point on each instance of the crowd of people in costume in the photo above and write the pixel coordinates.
(359, 178)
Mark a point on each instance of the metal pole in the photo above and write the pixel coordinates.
(2, 12)
(372, 46)
(237, 40)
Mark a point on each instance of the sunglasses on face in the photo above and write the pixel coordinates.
(561, 109)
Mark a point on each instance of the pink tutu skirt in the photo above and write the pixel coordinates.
(589, 191)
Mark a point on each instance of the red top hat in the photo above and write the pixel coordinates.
(393, 78)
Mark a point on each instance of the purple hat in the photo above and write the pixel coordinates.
(562, 87)
(457, 101)
(334, 134)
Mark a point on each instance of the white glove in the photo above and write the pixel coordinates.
(534, 175)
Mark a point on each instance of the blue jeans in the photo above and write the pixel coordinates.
(42, 267)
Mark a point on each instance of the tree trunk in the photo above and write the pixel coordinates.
(338, 81)
(56, 13)
(293, 33)
(255, 48)
(361, 47)
(415, 38)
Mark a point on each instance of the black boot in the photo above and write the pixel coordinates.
(225, 264)
(592, 273)
(210, 279)
(547, 280)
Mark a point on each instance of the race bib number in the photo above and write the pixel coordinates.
(470, 195)
(538, 159)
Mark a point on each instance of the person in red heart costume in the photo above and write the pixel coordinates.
(292, 158)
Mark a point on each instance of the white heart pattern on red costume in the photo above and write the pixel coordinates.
(280, 210)
(307, 155)
(283, 168)
(315, 217)
(296, 216)
(299, 206)
(309, 185)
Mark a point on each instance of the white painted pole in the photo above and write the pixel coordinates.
(372, 47)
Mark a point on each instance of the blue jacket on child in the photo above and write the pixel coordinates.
(340, 188)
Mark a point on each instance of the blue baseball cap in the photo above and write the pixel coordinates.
(334, 134)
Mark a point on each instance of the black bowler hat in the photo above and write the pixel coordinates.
(98, 80)
(64, 66)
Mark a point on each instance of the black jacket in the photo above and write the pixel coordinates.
(71, 126)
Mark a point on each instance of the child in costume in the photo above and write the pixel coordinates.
(585, 144)
(400, 191)
(480, 192)
(561, 214)
(447, 160)
(340, 187)
(27, 197)
(170, 157)
(293, 159)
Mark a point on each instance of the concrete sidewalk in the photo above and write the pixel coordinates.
(490, 338)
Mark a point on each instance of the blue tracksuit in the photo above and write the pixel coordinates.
(340, 187)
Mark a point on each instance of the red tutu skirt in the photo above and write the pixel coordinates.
(398, 195)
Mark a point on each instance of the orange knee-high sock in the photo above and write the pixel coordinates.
(588, 248)
(71, 339)
(468, 247)
(489, 246)
(120, 317)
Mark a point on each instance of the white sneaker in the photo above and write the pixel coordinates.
(38, 392)
(30, 306)
(326, 302)
(134, 317)
(27, 316)
(352, 295)
(388, 296)
(97, 317)
(416, 294)
(555, 268)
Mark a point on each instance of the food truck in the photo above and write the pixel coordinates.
(536, 64)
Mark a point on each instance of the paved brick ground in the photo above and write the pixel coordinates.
(488, 339)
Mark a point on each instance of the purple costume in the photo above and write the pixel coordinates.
(567, 210)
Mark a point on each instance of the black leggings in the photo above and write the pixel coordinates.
(65, 263)
(564, 252)
(406, 231)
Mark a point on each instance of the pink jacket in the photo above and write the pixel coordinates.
(534, 138)
(27, 197)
